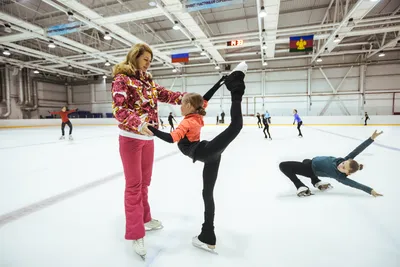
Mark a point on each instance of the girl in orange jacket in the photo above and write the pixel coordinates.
(65, 121)
(187, 134)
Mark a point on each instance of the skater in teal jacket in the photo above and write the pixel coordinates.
(332, 167)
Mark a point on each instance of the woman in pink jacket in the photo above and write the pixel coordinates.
(135, 96)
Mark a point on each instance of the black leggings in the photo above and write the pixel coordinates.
(63, 127)
(259, 124)
(291, 168)
(210, 152)
(266, 128)
(298, 127)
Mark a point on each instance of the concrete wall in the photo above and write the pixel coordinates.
(278, 89)
(50, 95)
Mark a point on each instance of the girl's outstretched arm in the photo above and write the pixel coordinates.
(359, 149)
(356, 185)
(363, 146)
(162, 135)
(175, 136)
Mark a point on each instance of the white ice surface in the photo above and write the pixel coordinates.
(259, 219)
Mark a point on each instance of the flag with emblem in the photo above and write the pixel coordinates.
(302, 43)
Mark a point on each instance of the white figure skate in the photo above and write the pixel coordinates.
(198, 244)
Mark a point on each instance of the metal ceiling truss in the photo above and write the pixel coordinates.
(335, 22)
(359, 10)
(115, 31)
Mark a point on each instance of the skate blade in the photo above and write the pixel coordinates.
(206, 248)
(305, 195)
(326, 189)
(154, 229)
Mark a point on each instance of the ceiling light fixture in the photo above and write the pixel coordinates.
(176, 26)
(262, 12)
(264, 45)
(7, 28)
(6, 52)
(51, 44)
(337, 39)
(70, 16)
(107, 36)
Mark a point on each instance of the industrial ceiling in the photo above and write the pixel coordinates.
(106, 29)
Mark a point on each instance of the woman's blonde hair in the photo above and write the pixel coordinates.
(129, 65)
(196, 101)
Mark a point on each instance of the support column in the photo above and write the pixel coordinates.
(92, 94)
(309, 73)
(69, 94)
(363, 69)
(221, 95)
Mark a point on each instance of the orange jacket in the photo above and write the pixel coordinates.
(189, 127)
(63, 114)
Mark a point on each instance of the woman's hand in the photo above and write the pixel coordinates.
(145, 130)
(375, 135)
(375, 194)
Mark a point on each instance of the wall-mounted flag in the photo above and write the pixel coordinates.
(182, 57)
(301, 43)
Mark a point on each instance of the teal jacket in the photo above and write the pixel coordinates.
(327, 167)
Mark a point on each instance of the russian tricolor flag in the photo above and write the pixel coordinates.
(182, 57)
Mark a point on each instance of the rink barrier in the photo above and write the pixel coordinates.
(255, 125)
(210, 121)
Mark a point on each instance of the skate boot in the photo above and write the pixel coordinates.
(153, 225)
(234, 82)
(62, 137)
(138, 246)
(323, 186)
(70, 137)
(303, 192)
(198, 244)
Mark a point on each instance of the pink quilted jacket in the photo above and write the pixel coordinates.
(135, 100)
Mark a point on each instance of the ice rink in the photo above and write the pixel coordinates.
(61, 202)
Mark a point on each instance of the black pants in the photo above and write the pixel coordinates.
(298, 127)
(292, 168)
(63, 127)
(210, 152)
(266, 128)
(259, 124)
(365, 122)
(172, 126)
